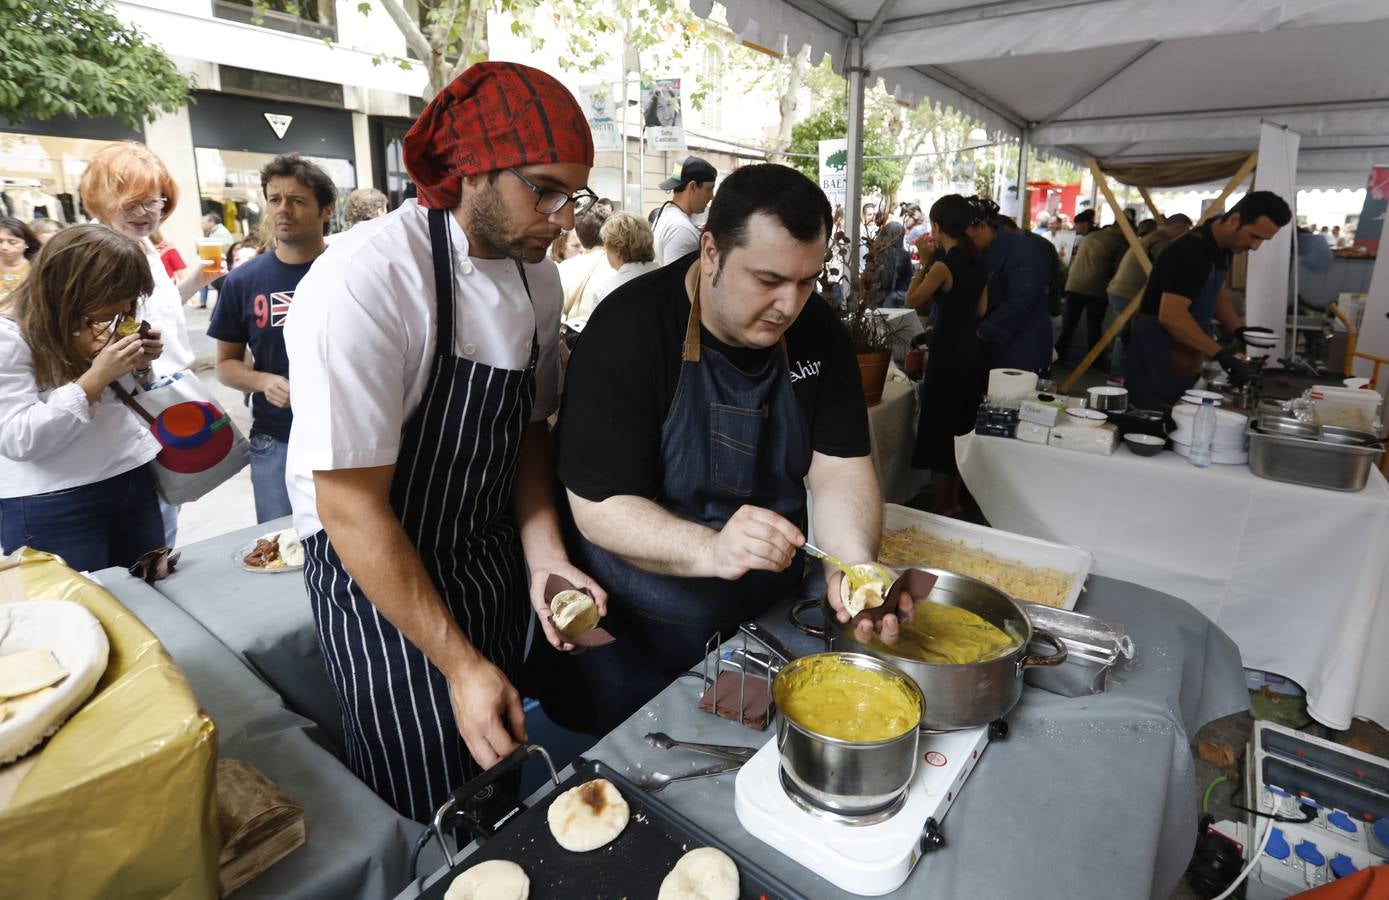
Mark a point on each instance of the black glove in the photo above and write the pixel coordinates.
(1239, 370)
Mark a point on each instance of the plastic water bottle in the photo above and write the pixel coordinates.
(1203, 434)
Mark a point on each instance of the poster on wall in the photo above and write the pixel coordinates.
(1371, 224)
(834, 169)
(597, 100)
(660, 110)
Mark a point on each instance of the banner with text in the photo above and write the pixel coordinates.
(598, 106)
(660, 108)
(834, 169)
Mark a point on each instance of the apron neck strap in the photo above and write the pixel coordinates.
(690, 353)
(441, 252)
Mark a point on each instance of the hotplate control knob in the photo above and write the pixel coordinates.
(932, 838)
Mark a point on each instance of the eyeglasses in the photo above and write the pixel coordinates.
(153, 205)
(549, 201)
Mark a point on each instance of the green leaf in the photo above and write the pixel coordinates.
(364, 8)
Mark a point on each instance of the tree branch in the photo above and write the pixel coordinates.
(414, 38)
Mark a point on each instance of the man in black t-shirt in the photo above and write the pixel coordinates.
(700, 402)
(1171, 338)
(251, 312)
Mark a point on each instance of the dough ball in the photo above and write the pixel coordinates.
(703, 874)
(18, 706)
(495, 879)
(574, 613)
(28, 671)
(588, 816)
(869, 594)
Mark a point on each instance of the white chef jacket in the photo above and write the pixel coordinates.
(360, 338)
(54, 439)
(675, 235)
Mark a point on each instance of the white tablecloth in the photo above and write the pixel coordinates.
(1298, 576)
(892, 424)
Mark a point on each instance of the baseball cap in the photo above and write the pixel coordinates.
(691, 168)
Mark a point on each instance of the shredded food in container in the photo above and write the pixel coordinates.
(912, 546)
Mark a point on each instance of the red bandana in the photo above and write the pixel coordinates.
(493, 116)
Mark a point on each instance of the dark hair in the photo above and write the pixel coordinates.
(781, 192)
(17, 228)
(953, 214)
(292, 165)
(1261, 204)
(1085, 215)
(982, 211)
(1178, 219)
(83, 269)
(587, 227)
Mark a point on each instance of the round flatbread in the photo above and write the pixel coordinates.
(703, 874)
(869, 594)
(495, 879)
(574, 612)
(588, 816)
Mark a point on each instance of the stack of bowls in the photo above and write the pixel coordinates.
(1231, 444)
(1108, 398)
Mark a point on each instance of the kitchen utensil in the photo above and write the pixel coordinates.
(633, 865)
(1108, 398)
(659, 781)
(849, 571)
(1285, 425)
(1089, 418)
(662, 741)
(1145, 444)
(847, 777)
(1093, 648)
(961, 695)
(1349, 437)
(1310, 462)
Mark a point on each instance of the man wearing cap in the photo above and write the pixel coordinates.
(703, 401)
(424, 346)
(693, 184)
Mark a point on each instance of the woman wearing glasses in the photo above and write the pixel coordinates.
(72, 456)
(424, 348)
(127, 187)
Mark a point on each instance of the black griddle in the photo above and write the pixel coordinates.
(631, 866)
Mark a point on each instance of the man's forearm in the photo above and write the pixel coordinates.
(848, 513)
(533, 497)
(646, 535)
(379, 556)
(235, 374)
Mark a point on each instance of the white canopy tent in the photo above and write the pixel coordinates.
(1117, 80)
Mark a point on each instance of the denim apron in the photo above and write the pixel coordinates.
(1158, 370)
(731, 438)
(452, 493)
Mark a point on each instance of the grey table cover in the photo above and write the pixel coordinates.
(357, 846)
(263, 618)
(1088, 797)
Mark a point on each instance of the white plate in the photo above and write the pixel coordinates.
(240, 556)
(77, 641)
(1087, 418)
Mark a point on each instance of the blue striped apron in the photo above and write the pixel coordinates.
(452, 492)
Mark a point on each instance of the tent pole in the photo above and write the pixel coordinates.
(1024, 201)
(853, 188)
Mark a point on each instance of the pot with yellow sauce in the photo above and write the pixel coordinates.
(847, 727)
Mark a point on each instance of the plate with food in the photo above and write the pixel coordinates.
(271, 554)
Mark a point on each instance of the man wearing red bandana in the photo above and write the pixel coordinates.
(424, 352)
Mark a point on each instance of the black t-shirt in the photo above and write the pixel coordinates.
(251, 309)
(1183, 267)
(623, 372)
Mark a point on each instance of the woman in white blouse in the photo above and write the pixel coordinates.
(73, 479)
(631, 249)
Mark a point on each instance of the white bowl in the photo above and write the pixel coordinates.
(1089, 418)
(1263, 339)
(1202, 395)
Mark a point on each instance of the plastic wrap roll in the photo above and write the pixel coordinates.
(1011, 384)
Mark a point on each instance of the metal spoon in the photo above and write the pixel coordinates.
(663, 741)
(658, 781)
(816, 552)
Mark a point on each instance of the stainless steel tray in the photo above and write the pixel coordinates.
(1309, 462)
(1093, 648)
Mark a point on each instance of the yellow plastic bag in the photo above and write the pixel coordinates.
(122, 800)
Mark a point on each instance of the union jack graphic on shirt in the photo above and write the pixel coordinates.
(279, 307)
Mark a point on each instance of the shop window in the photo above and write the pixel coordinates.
(39, 176)
(391, 176)
(236, 80)
(310, 18)
(229, 187)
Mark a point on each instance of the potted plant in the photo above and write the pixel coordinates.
(870, 333)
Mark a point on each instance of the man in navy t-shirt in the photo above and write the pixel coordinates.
(251, 312)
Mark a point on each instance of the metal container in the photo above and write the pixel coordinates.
(970, 694)
(1350, 437)
(1285, 425)
(851, 778)
(1093, 648)
(1108, 398)
(1310, 462)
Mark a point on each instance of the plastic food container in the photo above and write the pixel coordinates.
(1313, 463)
(1346, 408)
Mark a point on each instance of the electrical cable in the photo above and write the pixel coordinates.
(1254, 861)
(1309, 813)
(1206, 797)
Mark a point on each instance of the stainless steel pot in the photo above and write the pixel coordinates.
(957, 695)
(850, 778)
